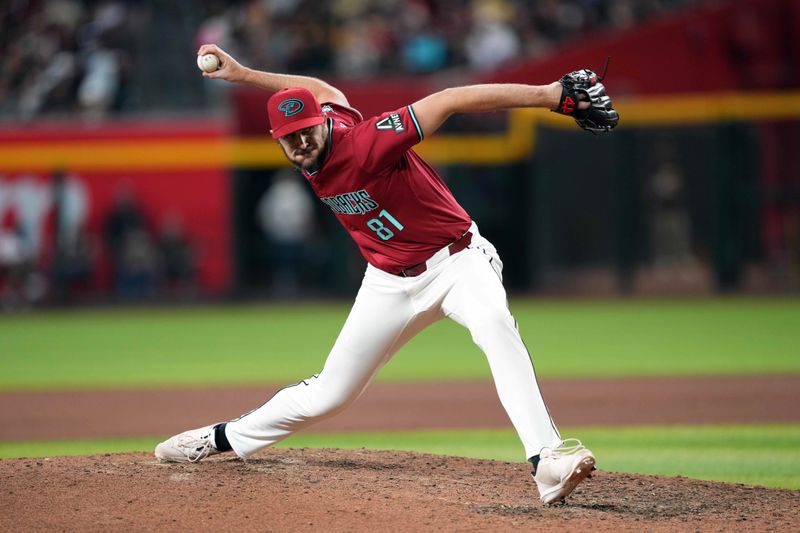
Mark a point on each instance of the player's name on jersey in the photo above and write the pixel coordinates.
(351, 203)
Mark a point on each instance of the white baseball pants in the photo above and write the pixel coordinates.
(388, 312)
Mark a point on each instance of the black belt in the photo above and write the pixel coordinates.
(453, 248)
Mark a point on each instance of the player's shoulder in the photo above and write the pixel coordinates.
(342, 114)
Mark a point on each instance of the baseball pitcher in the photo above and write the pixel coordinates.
(426, 258)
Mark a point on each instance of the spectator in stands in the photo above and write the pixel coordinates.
(62, 56)
(356, 55)
(670, 224)
(138, 267)
(177, 259)
(492, 40)
(44, 67)
(75, 252)
(74, 266)
(79, 55)
(16, 265)
(99, 86)
(285, 215)
(132, 255)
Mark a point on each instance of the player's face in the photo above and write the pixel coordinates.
(305, 148)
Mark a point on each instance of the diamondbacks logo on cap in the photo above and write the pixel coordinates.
(290, 107)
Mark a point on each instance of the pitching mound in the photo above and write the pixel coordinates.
(362, 490)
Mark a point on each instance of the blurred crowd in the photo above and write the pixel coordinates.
(147, 262)
(64, 56)
(48, 254)
(367, 37)
(115, 56)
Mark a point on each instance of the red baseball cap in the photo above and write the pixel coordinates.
(293, 109)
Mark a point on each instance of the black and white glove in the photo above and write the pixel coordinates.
(584, 86)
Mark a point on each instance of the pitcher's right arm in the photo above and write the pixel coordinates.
(231, 70)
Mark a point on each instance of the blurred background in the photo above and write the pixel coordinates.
(127, 177)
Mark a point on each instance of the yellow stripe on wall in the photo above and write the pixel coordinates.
(513, 145)
(99, 155)
(687, 110)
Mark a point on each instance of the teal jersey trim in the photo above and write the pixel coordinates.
(416, 123)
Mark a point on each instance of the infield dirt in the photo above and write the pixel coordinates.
(337, 490)
(362, 490)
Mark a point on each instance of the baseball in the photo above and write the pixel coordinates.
(208, 62)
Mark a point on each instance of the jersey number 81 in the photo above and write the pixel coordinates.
(383, 231)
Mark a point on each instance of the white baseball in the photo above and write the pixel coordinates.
(208, 62)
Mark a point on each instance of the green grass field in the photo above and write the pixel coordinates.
(146, 347)
(279, 344)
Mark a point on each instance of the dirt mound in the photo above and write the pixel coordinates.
(335, 490)
(80, 414)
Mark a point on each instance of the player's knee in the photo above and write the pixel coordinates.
(488, 322)
(492, 315)
(329, 402)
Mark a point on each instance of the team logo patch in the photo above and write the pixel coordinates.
(290, 107)
(392, 122)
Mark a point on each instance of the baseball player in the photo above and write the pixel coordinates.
(426, 258)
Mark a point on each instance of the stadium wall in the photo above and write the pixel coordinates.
(175, 170)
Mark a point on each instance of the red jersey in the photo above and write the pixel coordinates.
(395, 206)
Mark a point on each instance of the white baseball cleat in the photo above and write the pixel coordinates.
(188, 447)
(562, 469)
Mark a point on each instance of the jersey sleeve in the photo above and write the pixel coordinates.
(346, 115)
(381, 141)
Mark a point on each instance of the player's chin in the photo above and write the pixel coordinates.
(307, 163)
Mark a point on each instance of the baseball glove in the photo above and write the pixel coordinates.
(584, 86)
